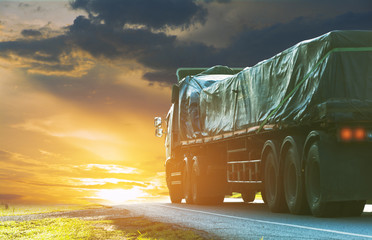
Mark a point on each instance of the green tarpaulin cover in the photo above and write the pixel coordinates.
(326, 78)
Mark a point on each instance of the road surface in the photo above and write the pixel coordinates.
(237, 220)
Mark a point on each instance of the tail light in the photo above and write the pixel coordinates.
(360, 134)
(348, 134)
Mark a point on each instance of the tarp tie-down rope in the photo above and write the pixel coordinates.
(359, 49)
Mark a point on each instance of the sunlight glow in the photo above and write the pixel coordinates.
(102, 181)
(112, 168)
(120, 196)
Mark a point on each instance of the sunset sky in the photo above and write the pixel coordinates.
(82, 80)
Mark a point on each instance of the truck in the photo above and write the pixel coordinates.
(296, 127)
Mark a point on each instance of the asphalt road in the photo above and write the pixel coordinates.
(237, 220)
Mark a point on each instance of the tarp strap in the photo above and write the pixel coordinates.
(359, 49)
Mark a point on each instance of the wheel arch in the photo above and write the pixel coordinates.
(287, 142)
(313, 136)
(295, 140)
(269, 145)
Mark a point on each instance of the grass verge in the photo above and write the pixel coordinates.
(13, 210)
(74, 228)
(64, 228)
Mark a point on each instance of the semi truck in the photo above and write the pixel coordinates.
(296, 127)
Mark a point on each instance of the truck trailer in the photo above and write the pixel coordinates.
(296, 127)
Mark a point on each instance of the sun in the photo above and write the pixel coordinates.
(120, 196)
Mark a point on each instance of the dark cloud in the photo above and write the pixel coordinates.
(251, 46)
(100, 36)
(22, 5)
(219, 1)
(101, 40)
(165, 77)
(154, 14)
(31, 33)
(44, 50)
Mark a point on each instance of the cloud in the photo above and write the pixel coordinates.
(95, 182)
(103, 35)
(251, 46)
(44, 50)
(5, 156)
(112, 168)
(31, 33)
(23, 5)
(153, 14)
(163, 77)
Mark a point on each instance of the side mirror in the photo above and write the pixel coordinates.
(158, 132)
(175, 93)
(157, 122)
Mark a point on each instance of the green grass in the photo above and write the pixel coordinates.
(57, 228)
(74, 228)
(239, 195)
(13, 210)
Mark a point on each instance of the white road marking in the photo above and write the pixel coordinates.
(274, 223)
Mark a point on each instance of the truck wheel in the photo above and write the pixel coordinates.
(197, 190)
(353, 208)
(318, 207)
(273, 185)
(187, 184)
(248, 196)
(175, 194)
(175, 190)
(294, 188)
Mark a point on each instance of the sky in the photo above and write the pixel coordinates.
(82, 80)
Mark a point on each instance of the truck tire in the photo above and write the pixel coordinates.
(248, 196)
(318, 207)
(204, 189)
(294, 186)
(187, 184)
(175, 194)
(353, 208)
(273, 184)
(197, 190)
(175, 190)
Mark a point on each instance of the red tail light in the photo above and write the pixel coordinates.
(353, 134)
(346, 134)
(359, 134)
